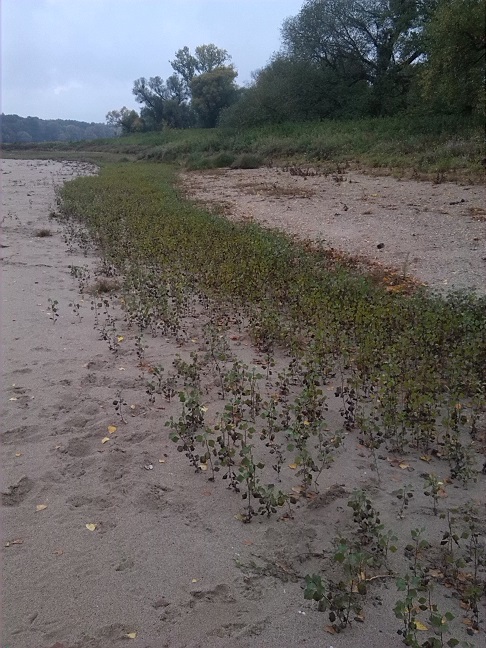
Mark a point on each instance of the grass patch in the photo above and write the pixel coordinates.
(419, 145)
(425, 344)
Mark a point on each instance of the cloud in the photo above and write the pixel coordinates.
(67, 87)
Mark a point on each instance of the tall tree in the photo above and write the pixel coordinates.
(164, 103)
(212, 92)
(372, 40)
(454, 76)
(206, 58)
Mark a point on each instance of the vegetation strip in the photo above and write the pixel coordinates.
(408, 371)
(435, 146)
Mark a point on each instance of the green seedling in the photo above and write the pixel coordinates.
(404, 496)
(433, 487)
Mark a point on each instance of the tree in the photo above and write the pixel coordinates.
(164, 102)
(454, 75)
(207, 58)
(294, 90)
(376, 41)
(125, 120)
(212, 92)
(185, 65)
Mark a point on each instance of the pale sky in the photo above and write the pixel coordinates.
(77, 59)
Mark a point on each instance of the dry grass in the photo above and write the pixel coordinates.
(104, 285)
(43, 233)
(275, 190)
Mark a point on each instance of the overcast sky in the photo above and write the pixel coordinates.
(77, 59)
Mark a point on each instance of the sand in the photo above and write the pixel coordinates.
(435, 233)
(164, 560)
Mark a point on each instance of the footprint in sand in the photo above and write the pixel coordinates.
(17, 492)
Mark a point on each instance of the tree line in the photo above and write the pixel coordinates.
(338, 59)
(14, 128)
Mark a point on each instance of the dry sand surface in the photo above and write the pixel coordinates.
(433, 232)
(164, 562)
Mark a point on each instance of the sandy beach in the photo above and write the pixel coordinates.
(109, 537)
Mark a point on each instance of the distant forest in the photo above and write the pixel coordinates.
(32, 129)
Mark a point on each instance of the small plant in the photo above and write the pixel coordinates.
(342, 599)
(433, 487)
(187, 427)
(205, 438)
(189, 371)
(154, 386)
(461, 459)
(140, 349)
(371, 530)
(247, 471)
(475, 560)
(119, 404)
(450, 541)
(408, 608)
(76, 309)
(269, 434)
(54, 308)
(82, 274)
(271, 498)
(404, 496)
(415, 551)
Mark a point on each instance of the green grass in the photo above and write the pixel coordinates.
(427, 350)
(409, 144)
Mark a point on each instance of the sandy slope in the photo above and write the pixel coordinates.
(167, 559)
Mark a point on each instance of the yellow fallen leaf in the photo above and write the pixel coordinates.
(403, 465)
(194, 580)
(426, 458)
(420, 626)
(203, 409)
(112, 429)
(203, 467)
(293, 466)
(306, 422)
(91, 526)
(40, 507)
(120, 338)
(132, 635)
(105, 439)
